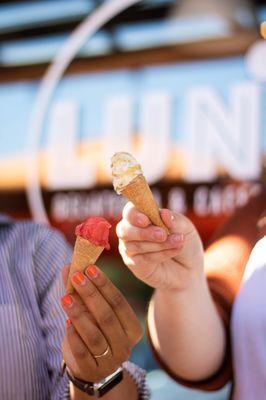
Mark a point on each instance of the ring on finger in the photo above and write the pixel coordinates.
(102, 354)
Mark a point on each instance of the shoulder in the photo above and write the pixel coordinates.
(36, 234)
(45, 246)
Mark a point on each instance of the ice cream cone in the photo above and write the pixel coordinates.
(140, 194)
(130, 181)
(92, 239)
(85, 254)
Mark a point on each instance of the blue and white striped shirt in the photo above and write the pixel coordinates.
(32, 323)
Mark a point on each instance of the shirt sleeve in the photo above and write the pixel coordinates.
(138, 375)
(50, 256)
(225, 261)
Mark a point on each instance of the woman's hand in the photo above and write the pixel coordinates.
(161, 261)
(102, 327)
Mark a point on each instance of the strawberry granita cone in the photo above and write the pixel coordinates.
(92, 239)
(131, 183)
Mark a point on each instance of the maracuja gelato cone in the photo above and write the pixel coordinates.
(131, 183)
(92, 239)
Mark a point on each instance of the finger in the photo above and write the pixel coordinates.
(101, 310)
(132, 248)
(129, 232)
(83, 359)
(87, 330)
(147, 259)
(65, 273)
(118, 303)
(134, 217)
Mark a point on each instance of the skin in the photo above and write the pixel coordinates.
(100, 318)
(182, 317)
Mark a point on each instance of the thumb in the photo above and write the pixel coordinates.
(177, 223)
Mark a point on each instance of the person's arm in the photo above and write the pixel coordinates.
(100, 322)
(50, 254)
(187, 322)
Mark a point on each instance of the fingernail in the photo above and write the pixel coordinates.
(176, 238)
(79, 279)
(67, 301)
(68, 323)
(158, 234)
(92, 271)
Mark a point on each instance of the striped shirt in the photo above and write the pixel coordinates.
(32, 322)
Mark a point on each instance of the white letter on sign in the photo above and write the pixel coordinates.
(216, 137)
(65, 170)
(117, 125)
(155, 129)
(153, 132)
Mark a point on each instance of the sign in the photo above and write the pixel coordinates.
(197, 128)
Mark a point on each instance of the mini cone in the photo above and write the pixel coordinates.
(85, 254)
(140, 194)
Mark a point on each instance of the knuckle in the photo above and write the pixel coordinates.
(118, 228)
(107, 318)
(117, 300)
(131, 248)
(104, 281)
(90, 291)
(127, 209)
(121, 230)
(121, 247)
(95, 339)
(80, 352)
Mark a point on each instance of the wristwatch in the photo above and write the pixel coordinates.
(98, 389)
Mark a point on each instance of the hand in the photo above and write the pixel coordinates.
(100, 319)
(161, 261)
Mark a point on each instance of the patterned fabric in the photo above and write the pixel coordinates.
(32, 322)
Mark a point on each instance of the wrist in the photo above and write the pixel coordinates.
(196, 282)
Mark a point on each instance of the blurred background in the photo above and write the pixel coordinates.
(180, 84)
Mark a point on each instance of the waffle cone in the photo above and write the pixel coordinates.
(140, 194)
(85, 253)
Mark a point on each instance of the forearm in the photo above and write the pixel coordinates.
(187, 331)
(124, 390)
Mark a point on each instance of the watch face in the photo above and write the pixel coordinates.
(109, 384)
(109, 378)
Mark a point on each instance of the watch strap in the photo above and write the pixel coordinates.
(98, 389)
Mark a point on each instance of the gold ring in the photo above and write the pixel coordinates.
(103, 354)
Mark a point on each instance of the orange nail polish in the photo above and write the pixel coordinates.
(67, 301)
(92, 271)
(79, 279)
(68, 323)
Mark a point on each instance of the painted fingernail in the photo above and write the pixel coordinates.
(68, 323)
(92, 271)
(79, 279)
(176, 238)
(67, 301)
(158, 234)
